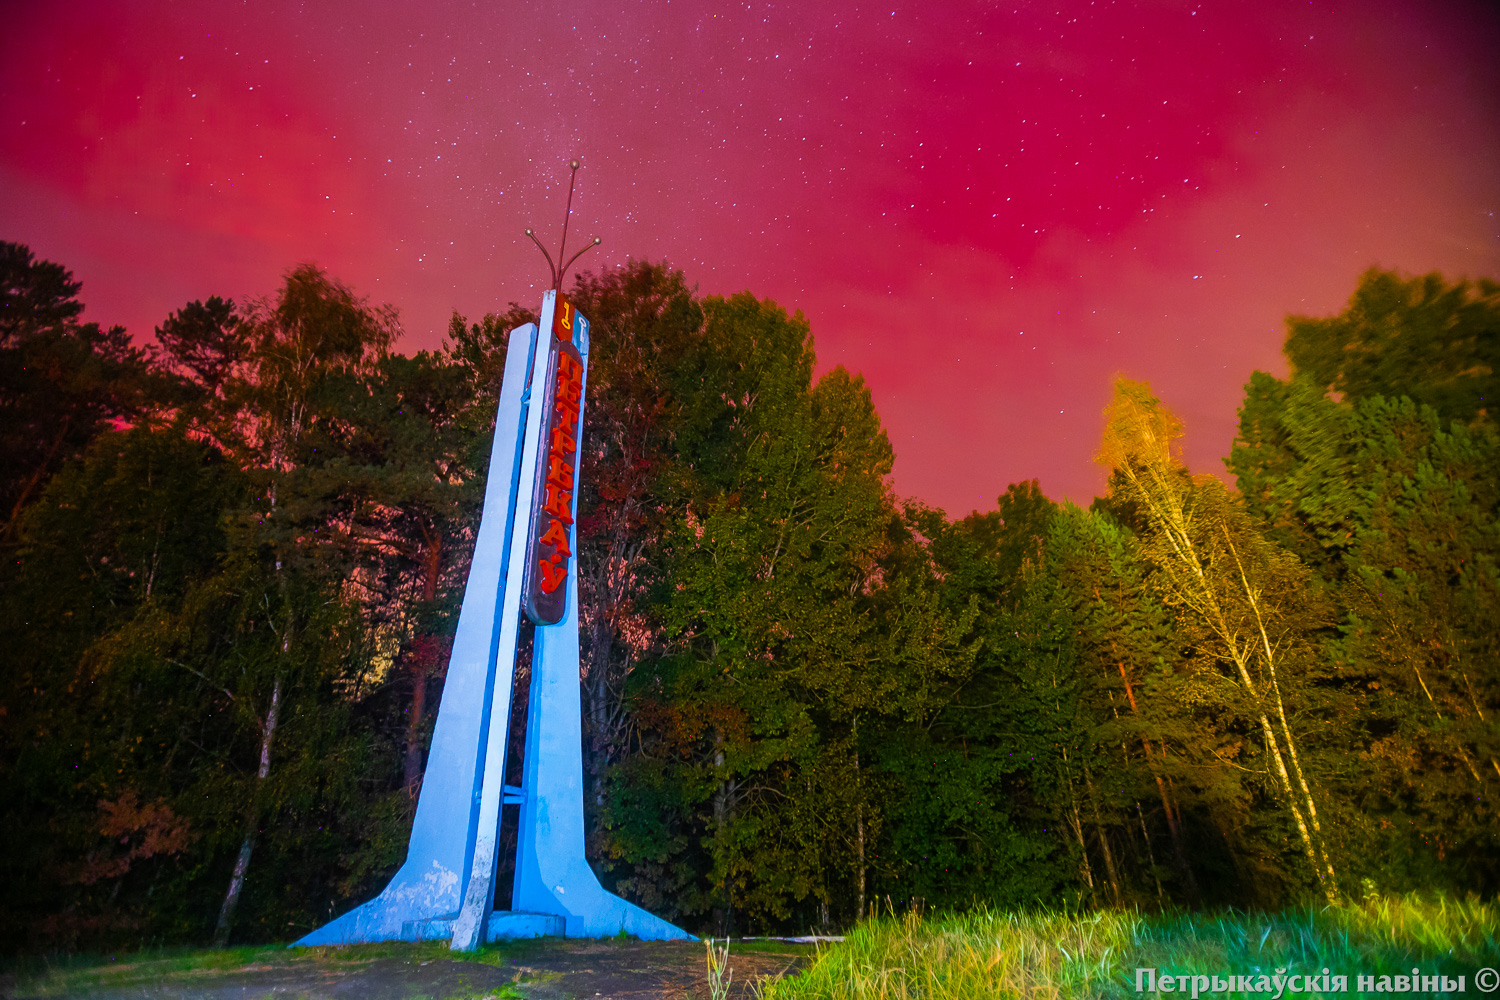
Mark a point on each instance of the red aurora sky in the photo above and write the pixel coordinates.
(986, 208)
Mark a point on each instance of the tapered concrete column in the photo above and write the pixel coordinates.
(439, 857)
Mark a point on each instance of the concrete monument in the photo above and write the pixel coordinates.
(525, 562)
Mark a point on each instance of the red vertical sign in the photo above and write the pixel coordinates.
(550, 547)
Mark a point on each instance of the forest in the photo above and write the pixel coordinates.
(233, 559)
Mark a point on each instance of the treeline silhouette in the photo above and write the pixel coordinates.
(233, 560)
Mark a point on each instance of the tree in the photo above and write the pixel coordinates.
(1374, 463)
(1246, 598)
(1417, 337)
(1399, 514)
(62, 382)
(122, 534)
(301, 346)
(204, 341)
(963, 759)
(1148, 730)
(201, 675)
(775, 650)
(645, 325)
(761, 524)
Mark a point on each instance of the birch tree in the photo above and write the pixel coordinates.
(1248, 599)
(299, 343)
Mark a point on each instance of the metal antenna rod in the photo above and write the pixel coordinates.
(596, 241)
(562, 250)
(558, 274)
(551, 268)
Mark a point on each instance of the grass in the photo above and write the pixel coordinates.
(73, 975)
(770, 947)
(973, 956)
(1042, 953)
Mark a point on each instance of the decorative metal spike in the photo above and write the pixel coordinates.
(559, 274)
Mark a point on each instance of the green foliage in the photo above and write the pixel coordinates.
(191, 581)
(62, 382)
(100, 552)
(1437, 343)
(784, 502)
(1399, 515)
(1389, 493)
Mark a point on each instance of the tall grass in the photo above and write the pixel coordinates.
(1042, 953)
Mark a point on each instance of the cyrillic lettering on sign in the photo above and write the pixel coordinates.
(550, 545)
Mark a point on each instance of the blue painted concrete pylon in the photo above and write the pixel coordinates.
(446, 887)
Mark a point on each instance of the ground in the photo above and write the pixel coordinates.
(548, 969)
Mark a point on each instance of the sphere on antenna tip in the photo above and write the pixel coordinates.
(573, 164)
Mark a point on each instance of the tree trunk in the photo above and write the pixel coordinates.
(603, 648)
(722, 915)
(242, 863)
(1109, 858)
(1150, 856)
(36, 477)
(1083, 847)
(608, 598)
(422, 663)
(1291, 796)
(413, 764)
(1076, 822)
(1167, 507)
(1268, 733)
(1252, 598)
(859, 887)
(1469, 687)
(1174, 830)
(859, 832)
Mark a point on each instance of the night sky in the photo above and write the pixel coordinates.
(988, 209)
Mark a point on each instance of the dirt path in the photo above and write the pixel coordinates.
(540, 970)
(639, 970)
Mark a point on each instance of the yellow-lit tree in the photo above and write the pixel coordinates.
(1244, 599)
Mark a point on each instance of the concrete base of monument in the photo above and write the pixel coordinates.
(504, 925)
(406, 906)
(569, 887)
(571, 903)
(610, 915)
(514, 925)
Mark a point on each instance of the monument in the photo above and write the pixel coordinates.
(525, 562)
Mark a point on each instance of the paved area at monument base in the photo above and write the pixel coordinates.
(548, 969)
